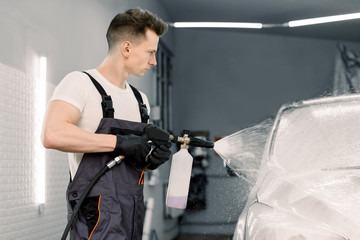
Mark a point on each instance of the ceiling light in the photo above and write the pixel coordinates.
(311, 21)
(216, 25)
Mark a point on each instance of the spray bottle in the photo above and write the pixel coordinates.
(179, 179)
(180, 172)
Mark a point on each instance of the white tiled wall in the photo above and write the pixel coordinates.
(20, 217)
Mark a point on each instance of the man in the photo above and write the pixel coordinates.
(95, 116)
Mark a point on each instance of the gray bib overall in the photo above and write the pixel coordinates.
(114, 208)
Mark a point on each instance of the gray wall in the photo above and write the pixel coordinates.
(227, 80)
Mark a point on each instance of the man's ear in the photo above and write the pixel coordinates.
(125, 48)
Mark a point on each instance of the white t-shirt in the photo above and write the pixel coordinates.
(77, 89)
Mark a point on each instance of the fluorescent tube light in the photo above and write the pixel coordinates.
(216, 25)
(39, 107)
(311, 21)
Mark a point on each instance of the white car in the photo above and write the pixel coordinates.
(308, 184)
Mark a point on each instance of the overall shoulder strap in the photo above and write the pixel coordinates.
(142, 106)
(106, 104)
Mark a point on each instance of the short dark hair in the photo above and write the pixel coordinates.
(132, 25)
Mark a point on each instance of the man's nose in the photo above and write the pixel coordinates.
(152, 61)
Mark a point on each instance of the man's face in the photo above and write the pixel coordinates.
(142, 54)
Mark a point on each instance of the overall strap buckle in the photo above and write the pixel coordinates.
(144, 113)
(142, 107)
(107, 106)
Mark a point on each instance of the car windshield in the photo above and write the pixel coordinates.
(321, 136)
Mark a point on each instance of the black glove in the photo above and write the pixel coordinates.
(158, 156)
(134, 148)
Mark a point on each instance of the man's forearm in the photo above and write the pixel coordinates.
(70, 138)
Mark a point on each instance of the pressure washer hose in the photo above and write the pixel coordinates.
(106, 168)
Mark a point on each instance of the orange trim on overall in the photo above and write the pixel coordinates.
(141, 179)
(98, 218)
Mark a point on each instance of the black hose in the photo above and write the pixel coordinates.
(82, 198)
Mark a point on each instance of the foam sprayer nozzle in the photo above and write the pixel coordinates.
(196, 142)
(192, 141)
(159, 137)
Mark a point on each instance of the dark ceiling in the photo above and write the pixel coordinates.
(272, 12)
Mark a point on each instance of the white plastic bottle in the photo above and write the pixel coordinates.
(179, 179)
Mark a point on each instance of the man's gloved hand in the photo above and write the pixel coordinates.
(158, 156)
(134, 148)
